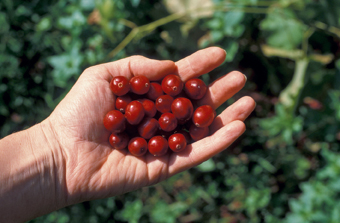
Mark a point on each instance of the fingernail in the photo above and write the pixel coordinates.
(245, 76)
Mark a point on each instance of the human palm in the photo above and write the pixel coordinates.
(92, 169)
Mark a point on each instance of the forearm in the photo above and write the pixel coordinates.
(29, 170)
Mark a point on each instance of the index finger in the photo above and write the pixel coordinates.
(200, 62)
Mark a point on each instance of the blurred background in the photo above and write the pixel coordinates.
(285, 168)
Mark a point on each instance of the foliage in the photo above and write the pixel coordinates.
(284, 169)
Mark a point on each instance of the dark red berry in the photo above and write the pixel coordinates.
(155, 91)
(149, 107)
(203, 116)
(114, 121)
(163, 103)
(119, 140)
(138, 146)
(198, 133)
(139, 85)
(195, 88)
(122, 102)
(158, 146)
(167, 122)
(148, 127)
(134, 112)
(172, 85)
(183, 109)
(177, 142)
(119, 85)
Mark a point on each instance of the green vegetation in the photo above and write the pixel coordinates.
(285, 168)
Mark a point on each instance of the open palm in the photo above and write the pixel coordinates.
(92, 169)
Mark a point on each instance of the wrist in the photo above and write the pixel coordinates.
(31, 174)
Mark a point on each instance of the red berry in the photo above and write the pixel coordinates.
(203, 116)
(195, 88)
(140, 85)
(149, 107)
(177, 142)
(122, 102)
(183, 109)
(119, 140)
(172, 85)
(114, 121)
(163, 103)
(138, 146)
(198, 133)
(119, 85)
(148, 127)
(134, 112)
(167, 122)
(158, 146)
(155, 91)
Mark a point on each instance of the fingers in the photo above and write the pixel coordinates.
(200, 62)
(204, 149)
(240, 110)
(222, 89)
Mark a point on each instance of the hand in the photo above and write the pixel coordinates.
(88, 168)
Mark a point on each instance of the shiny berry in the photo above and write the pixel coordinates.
(138, 146)
(119, 85)
(148, 127)
(114, 121)
(122, 102)
(183, 109)
(163, 103)
(177, 142)
(195, 88)
(139, 85)
(198, 133)
(167, 122)
(158, 146)
(172, 84)
(155, 91)
(149, 107)
(203, 116)
(134, 112)
(119, 140)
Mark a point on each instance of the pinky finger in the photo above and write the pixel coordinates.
(206, 148)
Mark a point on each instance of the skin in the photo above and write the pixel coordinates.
(67, 159)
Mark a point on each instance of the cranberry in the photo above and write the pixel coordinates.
(195, 88)
(119, 140)
(163, 103)
(155, 91)
(198, 133)
(140, 85)
(164, 134)
(158, 146)
(203, 116)
(114, 121)
(177, 142)
(134, 112)
(138, 146)
(172, 85)
(183, 109)
(149, 107)
(167, 122)
(148, 127)
(119, 85)
(122, 102)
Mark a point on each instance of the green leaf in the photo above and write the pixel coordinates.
(231, 51)
(132, 211)
(135, 3)
(207, 166)
(286, 31)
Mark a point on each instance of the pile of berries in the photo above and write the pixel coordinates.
(155, 116)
